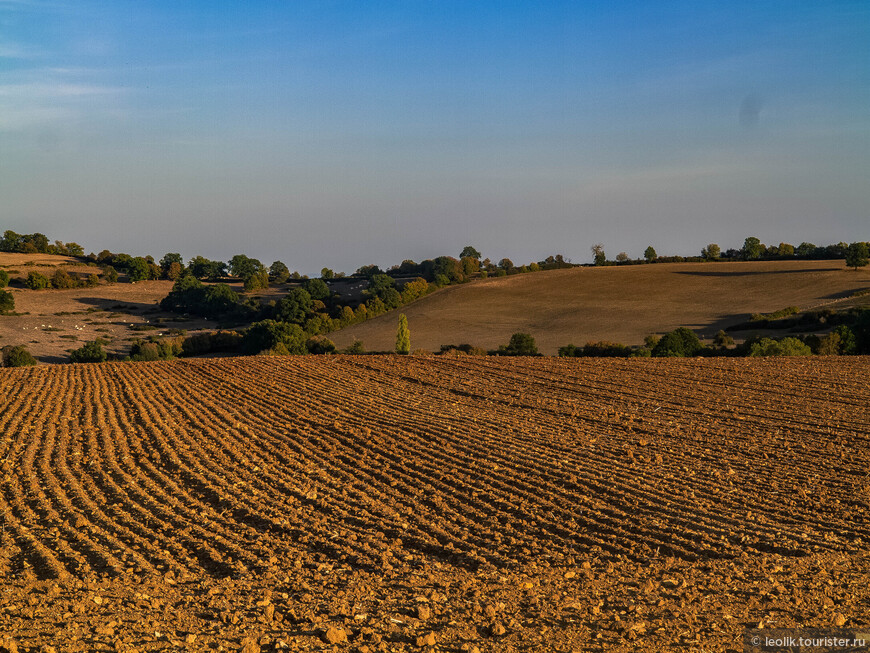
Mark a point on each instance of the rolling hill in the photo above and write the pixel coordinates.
(621, 304)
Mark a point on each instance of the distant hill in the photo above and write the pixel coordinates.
(621, 304)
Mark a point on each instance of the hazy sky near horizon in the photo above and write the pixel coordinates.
(339, 133)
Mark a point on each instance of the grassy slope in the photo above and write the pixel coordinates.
(622, 304)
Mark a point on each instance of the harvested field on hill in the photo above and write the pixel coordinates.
(405, 503)
(618, 304)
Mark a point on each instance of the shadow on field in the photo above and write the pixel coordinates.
(105, 304)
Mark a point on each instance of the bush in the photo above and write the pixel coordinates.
(356, 347)
(7, 302)
(17, 356)
(320, 345)
(257, 281)
(265, 335)
(190, 295)
(461, 350)
(36, 281)
(4, 278)
(62, 280)
(722, 339)
(784, 347)
(776, 315)
(156, 349)
(678, 343)
(91, 352)
(110, 274)
(521, 344)
(215, 341)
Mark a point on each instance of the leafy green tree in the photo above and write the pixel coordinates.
(268, 334)
(806, 249)
(17, 356)
(295, 307)
(74, 249)
(679, 343)
(174, 271)
(257, 281)
(326, 273)
(319, 290)
(857, 255)
(598, 254)
(139, 270)
(650, 254)
(4, 278)
(470, 252)
(506, 264)
(356, 347)
(368, 271)
(7, 302)
(202, 268)
(752, 249)
(785, 250)
(785, 347)
(37, 281)
(91, 352)
(521, 344)
(244, 267)
(110, 274)
(403, 336)
(278, 272)
(711, 252)
(166, 265)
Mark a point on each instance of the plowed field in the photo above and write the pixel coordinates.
(404, 503)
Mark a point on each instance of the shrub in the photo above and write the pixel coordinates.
(785, 347)
(722, 339)
(214, 341)
(17, 356)
(110, 274)
(606, 349)
(461, 350)
(62, 280)
(4, 278)
(570, 351)
(521, 344)
(91, 352)
(36, 281)
(356, 347)
(265, 335)
(320, 345)
(678, 343)
(257, 281)
(7, 302)
(156, 349)
(776, 315)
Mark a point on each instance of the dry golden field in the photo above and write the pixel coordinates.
(620, 304)
(422, 503)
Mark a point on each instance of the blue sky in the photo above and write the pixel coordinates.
(331, 133)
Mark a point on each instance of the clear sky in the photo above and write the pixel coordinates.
(341, 133)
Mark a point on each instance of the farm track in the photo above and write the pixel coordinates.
(226, 469)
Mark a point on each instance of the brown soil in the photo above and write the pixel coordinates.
(405, 503)
(619, 304)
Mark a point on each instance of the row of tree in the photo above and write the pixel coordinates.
(856, 254)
